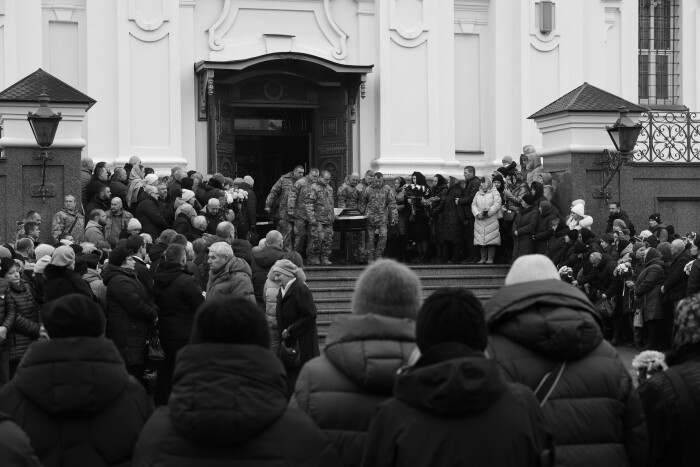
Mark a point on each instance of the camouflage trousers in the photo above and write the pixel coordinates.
(320, 240)
(286, 229)
(358, 244)
(376, 246)
(301, 229)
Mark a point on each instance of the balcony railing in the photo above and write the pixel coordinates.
(669, 137)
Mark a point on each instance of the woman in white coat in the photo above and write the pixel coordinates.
(486, 209)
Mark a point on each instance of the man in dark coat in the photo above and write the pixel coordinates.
(455, 216)
(524, 226)
(242, 419)
(130, 312)
(137, 247)
(101, 200)
(536, 322)
(61, 279)
(341, 389)
(177, 296)
(617, 213)
(72, 394)
(471, 187)
(214, 215)
(263, 260)
(250, 206)
(99, 181)
(149, 213)
(454, 407)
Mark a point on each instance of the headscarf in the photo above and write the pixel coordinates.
(441, 181)
(487, 180)
(420, 178)
(402, 182)
(136, 182)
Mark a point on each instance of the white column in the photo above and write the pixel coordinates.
(187, 83)
(365, 134)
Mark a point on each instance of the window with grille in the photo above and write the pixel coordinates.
(659, 79)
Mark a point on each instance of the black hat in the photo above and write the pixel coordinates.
(572, 234)
(118, 256)
(134, 243)
(656, 216)
(580, 247)
(586, 234)
(73, 315)
(529, 199)
(451, 315)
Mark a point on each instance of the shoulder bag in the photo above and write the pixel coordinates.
(155, 349)
(289, 353)
(606, 307)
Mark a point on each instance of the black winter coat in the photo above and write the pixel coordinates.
(454, 215)
(296, 312)
(6, 319)
(183, 225)
(543, 232)
(670, 444)
(252, 422)
(62, 281)
(15, 446)
(594, 411)
(471, 187)
(454, 408)
(23, 307)
(177, 296)
(263, 261)
(524, 224)
(341, 389)
(676, 283)
(150, 215)
(647, 288)
(76, 402)
(130, 314)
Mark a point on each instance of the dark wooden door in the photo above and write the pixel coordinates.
(331, 134)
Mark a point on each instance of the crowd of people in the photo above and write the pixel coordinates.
(136, 339)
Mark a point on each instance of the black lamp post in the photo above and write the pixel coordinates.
(44, 123)
(624, 133)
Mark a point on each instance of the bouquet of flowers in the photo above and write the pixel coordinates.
(688, 267)
(236, 195)
(623, 270)
(566, 274)
(416, 191)
(649, 362)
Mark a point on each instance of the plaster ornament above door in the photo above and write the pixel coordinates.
(241, 29)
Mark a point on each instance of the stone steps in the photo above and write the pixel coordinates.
(333, 286)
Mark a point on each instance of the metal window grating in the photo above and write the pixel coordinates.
(659, 79)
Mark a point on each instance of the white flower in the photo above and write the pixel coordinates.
(688, 267)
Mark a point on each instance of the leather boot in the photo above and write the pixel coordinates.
(491, 254)
(483, 255)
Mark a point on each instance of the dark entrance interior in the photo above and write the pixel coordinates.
(270, 142)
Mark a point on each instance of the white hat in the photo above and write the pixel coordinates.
(133, 224)
(249, 180)
(151, 179)
(578, 209)
(187, 195)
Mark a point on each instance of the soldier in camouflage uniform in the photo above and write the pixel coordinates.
(68, 221)
(297, 204)
(348, 198)
(276, 205)
(379, 205)
(319, 209)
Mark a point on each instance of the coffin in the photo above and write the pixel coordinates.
(349, 220)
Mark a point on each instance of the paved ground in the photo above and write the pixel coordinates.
(627, 354)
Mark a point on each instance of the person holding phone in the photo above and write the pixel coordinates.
(486, 208)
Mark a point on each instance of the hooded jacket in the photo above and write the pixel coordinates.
(76, 402)
(647, 287)
(263, 260)
(524, 224)
(594, 412)
(454, 408)
(486, 231)
(341, 389)
(130, 313)
(177, 296)
(243, 419)
(232, 279)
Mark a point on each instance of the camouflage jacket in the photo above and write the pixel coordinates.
(62, 222)
(115, 223)
(276, 201)
(319, 204)
(348, 196)
(379, 205)
(297, 197)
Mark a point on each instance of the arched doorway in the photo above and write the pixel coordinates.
(268, 114)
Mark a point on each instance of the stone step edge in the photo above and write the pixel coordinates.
(413, 266)
(348, 299)
(446, 276)
(425, 287)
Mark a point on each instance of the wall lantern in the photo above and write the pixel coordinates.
(624, 132)
(44, 123)
(545, 16)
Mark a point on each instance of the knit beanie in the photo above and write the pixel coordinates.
(236, 181)
(531, 268)
(656, 217)
(186, 183)
(665, 251)
(151, 179)
(451, 315)
(5, 265)
(42, 250)
(638, 245)
(586, 235)
(578, 209)
(133, 224)
(287, 268)
(686, 323)
(387, 288)
(5, 253)
(63, 256)
(118, 256)
(187, 195)
(73, 315)
(249, 180)
(652, 254)
(219, 178)
(577, 202)
(644, 234)
(134, 244)
(572, 234)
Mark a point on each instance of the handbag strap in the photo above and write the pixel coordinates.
(548, 383)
